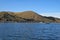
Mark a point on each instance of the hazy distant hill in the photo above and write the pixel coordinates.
(26, 16)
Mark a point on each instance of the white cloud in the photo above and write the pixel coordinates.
(51, 14)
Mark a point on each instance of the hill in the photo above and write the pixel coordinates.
(26, 16)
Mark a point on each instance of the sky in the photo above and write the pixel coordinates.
(42, 7)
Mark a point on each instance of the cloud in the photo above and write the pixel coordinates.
(51, 14)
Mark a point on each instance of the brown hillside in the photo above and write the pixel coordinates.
(9, 16)
(32, 15)
(26, 16)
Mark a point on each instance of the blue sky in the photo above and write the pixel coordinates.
(43, 7)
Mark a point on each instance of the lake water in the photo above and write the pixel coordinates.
(29, 31)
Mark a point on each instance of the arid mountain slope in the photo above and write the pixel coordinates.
(33, 15)
(26, 16)
(9, 17)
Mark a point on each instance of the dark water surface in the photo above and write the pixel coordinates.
(29, 31)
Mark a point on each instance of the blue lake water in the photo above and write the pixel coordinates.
(29, 31)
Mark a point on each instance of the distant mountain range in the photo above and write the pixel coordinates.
(26, 16)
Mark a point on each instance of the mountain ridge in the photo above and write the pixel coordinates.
(26, 16)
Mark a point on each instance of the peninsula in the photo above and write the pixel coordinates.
(26, 16)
